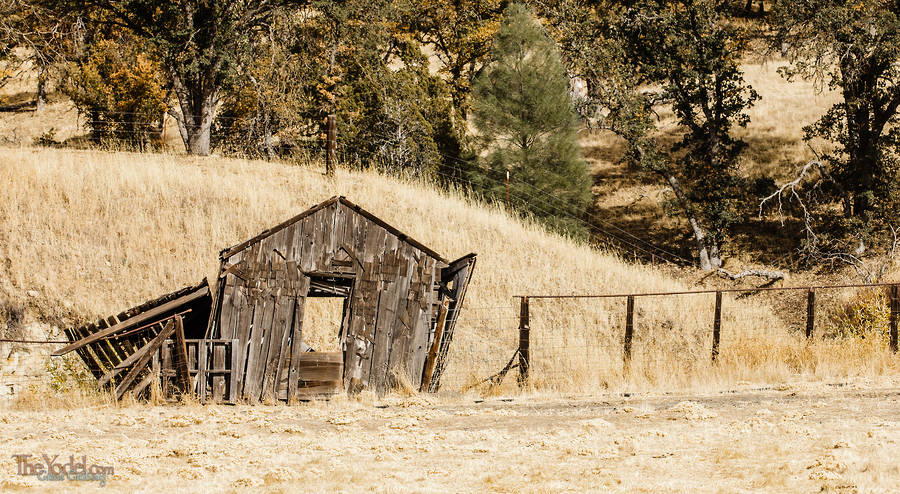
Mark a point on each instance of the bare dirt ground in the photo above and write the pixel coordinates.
(804, 438)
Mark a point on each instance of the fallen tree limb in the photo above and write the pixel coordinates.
(762, 273)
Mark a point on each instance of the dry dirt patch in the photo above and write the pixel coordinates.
(789, 440)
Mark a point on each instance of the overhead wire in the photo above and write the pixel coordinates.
(559, 209)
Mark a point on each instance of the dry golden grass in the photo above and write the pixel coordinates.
(95, 232)
(774, 136)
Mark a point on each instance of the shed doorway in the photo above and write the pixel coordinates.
(326, 311)
(322, 321)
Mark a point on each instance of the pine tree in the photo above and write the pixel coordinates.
(524, 115)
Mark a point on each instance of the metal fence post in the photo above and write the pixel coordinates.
(895, 309)
(331, 145)
(524, 337)
(717, 327)
(810, 312)
(629, 330)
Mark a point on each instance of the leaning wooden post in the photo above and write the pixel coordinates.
(431, 359)
(629, 330)
(895, 313)
(810, 312)
(717, 327)
(331, 145)
(524, 337)
(179, 350)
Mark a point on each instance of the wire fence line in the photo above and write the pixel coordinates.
(582, 343)
(579, 341)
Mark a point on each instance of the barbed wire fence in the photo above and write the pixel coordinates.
(581, 343)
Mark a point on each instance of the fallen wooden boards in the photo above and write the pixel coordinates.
(132, 322)
(124, 364)
(182, 373)
(142, 361)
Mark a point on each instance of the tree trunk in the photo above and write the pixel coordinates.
(709, 254)
(268, 141)
(864, 166)
(41, 89)
(198, 105)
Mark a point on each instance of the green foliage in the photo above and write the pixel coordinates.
(202, 44)
(121, 89)
(867, 314)
(524, 113)
(279, 105)
(68, 373)
(853, 48)
(460, 34)
(344, 58)
(397, 120)
(635, 57)
(694, 50)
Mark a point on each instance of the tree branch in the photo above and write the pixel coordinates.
(763, 273)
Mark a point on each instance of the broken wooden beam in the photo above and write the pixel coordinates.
(141, 363)
(128, 323)
(435, 346)
(124, 364)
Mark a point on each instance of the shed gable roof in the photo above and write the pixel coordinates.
(230, 251)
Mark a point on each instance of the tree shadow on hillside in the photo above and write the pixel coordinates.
(769, 154)
(23, 101)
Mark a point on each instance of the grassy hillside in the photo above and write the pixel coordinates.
(88, 233)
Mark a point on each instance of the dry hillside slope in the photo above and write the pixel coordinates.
(88, 233)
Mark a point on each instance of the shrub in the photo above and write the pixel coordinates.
(866, 314)
(121, 89)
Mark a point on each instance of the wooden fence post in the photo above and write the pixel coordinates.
(895, 309)
(331, 145)
(202, 348)
(717, 327)
(810, 312)
(629, 330)
(524, 337)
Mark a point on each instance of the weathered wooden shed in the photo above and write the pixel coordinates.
(400, 304)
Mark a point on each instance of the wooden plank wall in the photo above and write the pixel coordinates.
(219, 372)
(390, 307)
